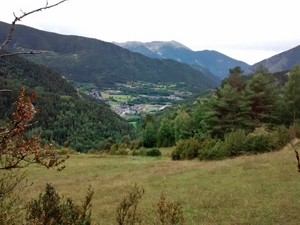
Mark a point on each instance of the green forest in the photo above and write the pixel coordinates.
(63, 114)
(245, 115)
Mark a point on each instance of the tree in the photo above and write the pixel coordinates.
(226, 111)
(235, 79)
(291, 96)
(182, 125)
(165, 134)
(149, 136)
(17, 152)
(261, 95)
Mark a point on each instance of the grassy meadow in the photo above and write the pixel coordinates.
(257, 189)
(118, 98)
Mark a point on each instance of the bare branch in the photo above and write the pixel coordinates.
(292, 135)
(24, 14)
(5, 90)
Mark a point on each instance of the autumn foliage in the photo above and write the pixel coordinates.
(18, 152)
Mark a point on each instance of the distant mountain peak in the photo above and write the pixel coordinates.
(153, 45)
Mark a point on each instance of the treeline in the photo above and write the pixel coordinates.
(246, 114)
(63, 115)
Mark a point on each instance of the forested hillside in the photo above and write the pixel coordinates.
(63, 114)
(245, 115)
(91, 61)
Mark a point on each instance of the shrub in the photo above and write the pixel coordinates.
(127, 211)
(259, 141)
(153, 152)
(279, 137)
(186, 149)
(234, 143)
(213, 149)
(66, 151)
(135, 144)
(48, 209)
(169, 212)
(122, 151)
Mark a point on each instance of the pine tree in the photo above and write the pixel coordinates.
(291, 96)
(261, 95)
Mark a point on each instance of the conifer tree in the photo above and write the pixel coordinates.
(291, 96)
(261, 95)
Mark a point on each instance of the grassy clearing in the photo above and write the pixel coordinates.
(260, 189)
(117, 97)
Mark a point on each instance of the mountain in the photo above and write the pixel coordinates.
(63, 114)
(95, 62)
(216, 63)
(280, 62)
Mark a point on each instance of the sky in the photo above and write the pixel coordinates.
(246, 30)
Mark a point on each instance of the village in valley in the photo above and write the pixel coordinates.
(136, 99)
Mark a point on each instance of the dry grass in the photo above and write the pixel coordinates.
(260, 189)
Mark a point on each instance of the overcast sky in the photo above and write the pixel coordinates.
(242, 29)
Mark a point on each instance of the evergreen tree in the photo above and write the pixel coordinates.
(149, 135)
(261, 95)
(291, 96)
(227, 111)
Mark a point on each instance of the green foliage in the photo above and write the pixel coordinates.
(291, 90)
(186, 149)
(48, 209)
(211, 149)
(182, 125)
(234, 143)
(259, 141)
(10, 192)
(148, 136)
(153, 152)
(260, 93)
(107, 63)
(135, 144)
(165, 135)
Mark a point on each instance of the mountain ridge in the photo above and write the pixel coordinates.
(89, 60)
(214, 61)
(279, 62)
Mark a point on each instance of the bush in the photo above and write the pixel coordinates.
(48, 209)
(153, 152)
(122, 151)
(279, 137)
(259, 141)
(66, 151)
(213, 149)
(186, 149)
(234, 143)
(135, 144)
(127, 210)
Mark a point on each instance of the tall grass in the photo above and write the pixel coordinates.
(260, 189)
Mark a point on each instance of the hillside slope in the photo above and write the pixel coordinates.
(216, 62)
(280, 62)
(63, 115)
(89, 60)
